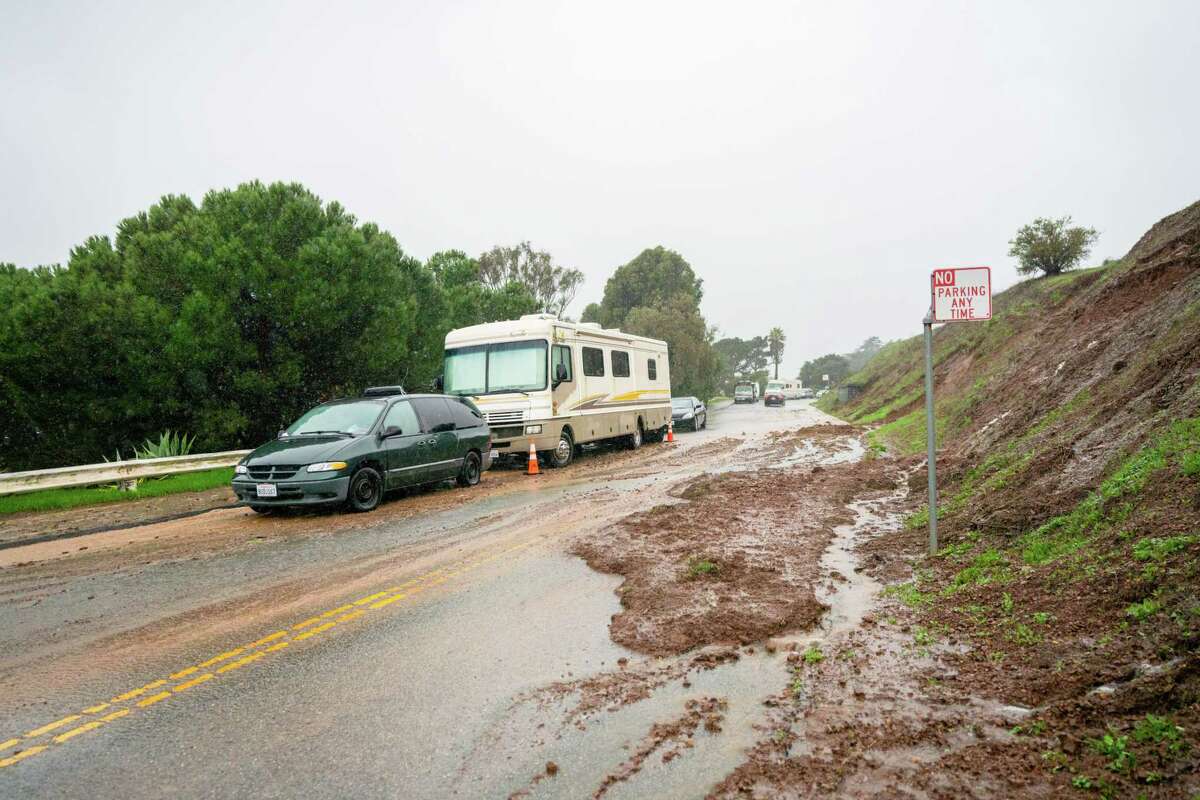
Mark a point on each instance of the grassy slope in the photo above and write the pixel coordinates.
(54, 499)
(1069, 431)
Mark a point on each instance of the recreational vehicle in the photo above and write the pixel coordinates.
(560, 384)
(789, 389)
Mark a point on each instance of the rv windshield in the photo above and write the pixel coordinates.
(496, 367)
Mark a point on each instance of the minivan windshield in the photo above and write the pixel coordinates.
(354, 417)
(496, 367)
(774, 386)
(744, 389)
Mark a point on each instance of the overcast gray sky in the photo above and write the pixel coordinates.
(813, 161)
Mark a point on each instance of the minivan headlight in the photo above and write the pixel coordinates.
(327, 466)
(241, 469)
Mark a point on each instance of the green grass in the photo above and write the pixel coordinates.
(700, 567)
(1113, 501)
(1144, 610)
(988, 567)
(909, 594)
(1156, 730)
(1156, 549)
(57, 499)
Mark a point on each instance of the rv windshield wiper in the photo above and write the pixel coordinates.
(506, 391)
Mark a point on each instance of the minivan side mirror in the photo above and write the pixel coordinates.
(390, 430)
(439, 383)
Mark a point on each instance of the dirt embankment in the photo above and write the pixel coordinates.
(1070, 519)
(737, 560)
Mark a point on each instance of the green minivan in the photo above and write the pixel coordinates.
(350, 452)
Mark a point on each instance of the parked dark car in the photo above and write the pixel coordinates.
(689, 412)
(354, 450)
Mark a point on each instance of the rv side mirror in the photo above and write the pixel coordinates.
(439, 383)
(390, 430)
(560, 373)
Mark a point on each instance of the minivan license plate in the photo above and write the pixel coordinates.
(266, 490)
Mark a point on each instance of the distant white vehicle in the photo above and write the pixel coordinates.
(789, 389)
(745, 392)
(560, 384)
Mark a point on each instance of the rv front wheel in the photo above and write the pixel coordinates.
(564, 452)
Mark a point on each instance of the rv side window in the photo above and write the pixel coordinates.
(620, 361)
(652, 369)
(593, 362)
(561, 355)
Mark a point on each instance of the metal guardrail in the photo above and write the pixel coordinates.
(114, 471)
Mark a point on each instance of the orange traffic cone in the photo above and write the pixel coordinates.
(670, 430)
(533, 465)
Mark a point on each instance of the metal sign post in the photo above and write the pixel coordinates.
(957, 294)
(930, 433)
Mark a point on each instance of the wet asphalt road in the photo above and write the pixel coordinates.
(387, 661)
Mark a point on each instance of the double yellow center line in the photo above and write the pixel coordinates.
(89, 719)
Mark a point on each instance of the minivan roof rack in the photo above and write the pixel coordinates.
(383, 391)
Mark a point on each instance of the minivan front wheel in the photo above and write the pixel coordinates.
(471, 469)
(366, 490)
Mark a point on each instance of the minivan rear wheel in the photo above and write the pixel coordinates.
(471, 469)
(366, 490)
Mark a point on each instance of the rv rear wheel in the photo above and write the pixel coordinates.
(563, 453)
(634, 440)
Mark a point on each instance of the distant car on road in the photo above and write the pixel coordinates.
(351, 451)
(689, 412)
(806, 394)
(774, 396)
(745, 392)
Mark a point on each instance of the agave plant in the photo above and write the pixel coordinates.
(168, 444)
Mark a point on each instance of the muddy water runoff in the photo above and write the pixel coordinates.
(587, 749)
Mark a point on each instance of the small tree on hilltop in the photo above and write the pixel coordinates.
(1051, 245)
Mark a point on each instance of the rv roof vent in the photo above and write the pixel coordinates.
(591, 326)
(536, 317)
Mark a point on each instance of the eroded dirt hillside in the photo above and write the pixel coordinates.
(1069, 450)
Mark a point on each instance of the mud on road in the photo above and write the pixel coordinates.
(758, 645)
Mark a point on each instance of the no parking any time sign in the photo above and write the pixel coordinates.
(962, 294)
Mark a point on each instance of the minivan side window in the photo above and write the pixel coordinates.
(464, 415)
(561, 354)
(652, 369)
(593, 362)
(404, 417)
(435, 414)
(620, 362)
